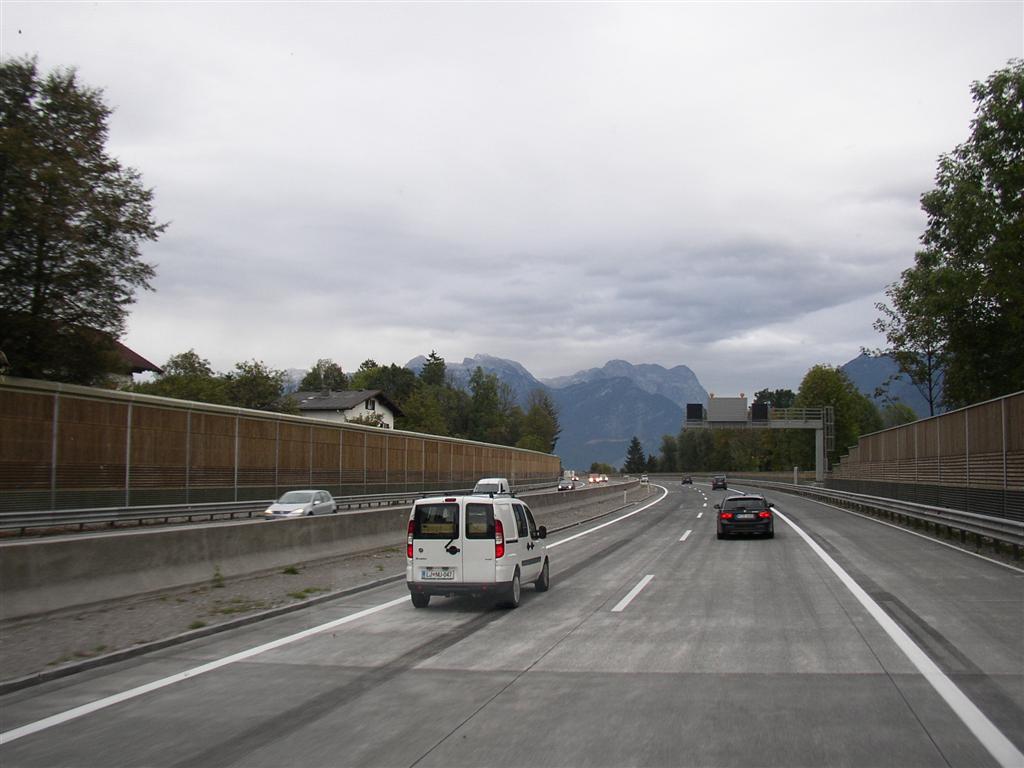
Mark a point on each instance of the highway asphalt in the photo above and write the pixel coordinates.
(658, 645)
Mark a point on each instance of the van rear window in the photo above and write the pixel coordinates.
(436, 521)
(479, 521)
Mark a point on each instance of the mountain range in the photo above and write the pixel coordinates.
(601, 409)
(868, 373)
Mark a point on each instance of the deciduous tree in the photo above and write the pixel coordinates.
(325, 374)
(963, 299)
(72, 223)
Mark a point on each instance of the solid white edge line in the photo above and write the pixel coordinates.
(610, 522)
(621, 605)
(921, 535)
(686, 535)
(109, 701)
(1000, 747)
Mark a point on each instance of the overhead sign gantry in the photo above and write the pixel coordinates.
(733, 413)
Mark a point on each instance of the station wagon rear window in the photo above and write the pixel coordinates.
(737, 504)
(479, 521)
(436, 521)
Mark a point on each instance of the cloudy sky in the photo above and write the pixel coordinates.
(729, 186)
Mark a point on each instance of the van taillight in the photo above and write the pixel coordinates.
(408, 541)
(499, 540)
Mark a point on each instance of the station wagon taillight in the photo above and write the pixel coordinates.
(725, 516)
(408, 541)
(499, 540)
(764, 514)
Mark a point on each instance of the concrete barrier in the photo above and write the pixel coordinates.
(45, 575)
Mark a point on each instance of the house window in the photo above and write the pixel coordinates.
(371, 404)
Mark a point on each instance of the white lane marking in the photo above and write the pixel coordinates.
(1001, 748)
(686, 535)
(610, 522)
(117, 698)
(109, 701)
(632, 593)
(700, 515)
(1013, 568)
(704, 504)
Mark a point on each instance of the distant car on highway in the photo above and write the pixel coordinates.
(643, 478)
(301, 504)
(745, 514)
(687, 480)
(566, 485)
(718, 481)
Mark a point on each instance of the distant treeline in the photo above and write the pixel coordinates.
(429, 403)
(769, 450)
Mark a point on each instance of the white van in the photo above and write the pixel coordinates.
(474, 545)
(492, 485)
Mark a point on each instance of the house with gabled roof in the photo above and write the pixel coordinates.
(360, 405)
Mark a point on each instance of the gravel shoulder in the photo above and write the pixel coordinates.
(40, 644)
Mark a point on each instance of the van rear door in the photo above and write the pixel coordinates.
(437, 549)
(478, 554)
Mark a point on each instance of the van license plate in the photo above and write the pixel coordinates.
(437, 573)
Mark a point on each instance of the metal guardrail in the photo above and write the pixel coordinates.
(71, 518)
(1001, 531)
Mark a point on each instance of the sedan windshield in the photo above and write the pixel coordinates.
(296, 497)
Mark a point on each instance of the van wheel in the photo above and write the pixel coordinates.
(420, 601)
(543, 583)
(514, 592)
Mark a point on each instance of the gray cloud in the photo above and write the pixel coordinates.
(730, 187)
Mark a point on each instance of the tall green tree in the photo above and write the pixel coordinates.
(541, 421)
(325, 374)
(963, 300)
(485, 417)
(636, 461)
(253, 384)
(669, 459)
(895, 414)
(855, 414)
(776, 398)
(396, 381)
(187, 376)
(434, 370)
(72, 223)
(423, 412)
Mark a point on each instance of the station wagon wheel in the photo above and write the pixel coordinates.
(543, 582)
(419, 600)
(514, 592)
